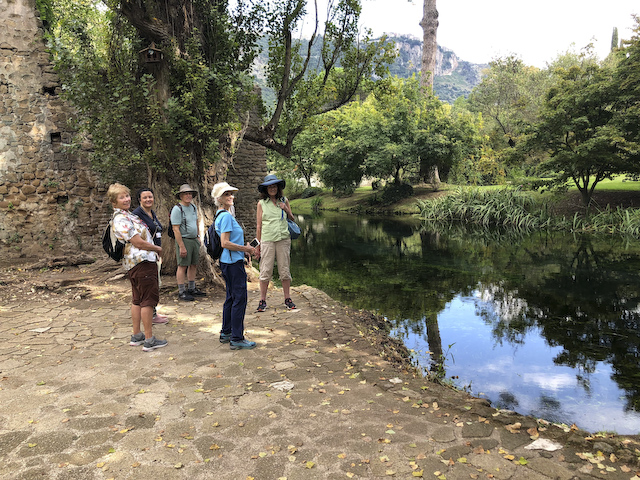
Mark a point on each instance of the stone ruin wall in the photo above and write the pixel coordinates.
(51, 202)
(48, 197)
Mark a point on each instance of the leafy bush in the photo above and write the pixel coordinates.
(395, 192)
(310, 192)
(316, 203)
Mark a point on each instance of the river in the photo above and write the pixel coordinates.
(545, 324)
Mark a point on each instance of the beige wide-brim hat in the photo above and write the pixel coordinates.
(220, 188)
(186, 188)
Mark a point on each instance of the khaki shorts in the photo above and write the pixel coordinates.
(193, 252)
(271, 252)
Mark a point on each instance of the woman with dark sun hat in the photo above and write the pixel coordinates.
(272, 230)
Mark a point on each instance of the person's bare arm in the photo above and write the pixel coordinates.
(141, 244)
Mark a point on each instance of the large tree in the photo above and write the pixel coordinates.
(579, 132)
(429, 24)
(164, 88)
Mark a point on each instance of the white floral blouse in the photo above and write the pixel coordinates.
(126, 226)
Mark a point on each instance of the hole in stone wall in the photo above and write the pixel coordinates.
(56, 137)
(63, 199)
(49, 90)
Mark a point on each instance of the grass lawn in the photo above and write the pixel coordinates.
(362, 198)
(619, 184)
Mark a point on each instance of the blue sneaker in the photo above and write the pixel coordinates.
(242, 345)
(225, 337)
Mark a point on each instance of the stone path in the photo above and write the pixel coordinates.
(315, 400)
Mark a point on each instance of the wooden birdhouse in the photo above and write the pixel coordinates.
(151, 54)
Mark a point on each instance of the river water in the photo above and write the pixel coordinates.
(545, 323)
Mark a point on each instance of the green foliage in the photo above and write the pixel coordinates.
(348, 59)
(627, 103)
(509, 99)
(310, 192)
(394, 192)
(578, 129)
(316, 203)
(167, 117)
(497, 208)
(519, 210)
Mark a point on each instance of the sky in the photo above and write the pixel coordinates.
(537, 32)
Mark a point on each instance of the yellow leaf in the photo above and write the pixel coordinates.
(522, 461)
(417, 473)
(310, 464)
(342, 455)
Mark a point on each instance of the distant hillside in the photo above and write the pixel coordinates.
(454, 78)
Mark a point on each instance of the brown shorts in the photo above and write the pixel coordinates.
(144, 284)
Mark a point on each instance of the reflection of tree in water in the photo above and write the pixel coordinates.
(581, 293)
(585, 301)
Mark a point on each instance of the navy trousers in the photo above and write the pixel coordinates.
(235, 305)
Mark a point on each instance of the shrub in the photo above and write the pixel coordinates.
(395, 192)
(310, 192)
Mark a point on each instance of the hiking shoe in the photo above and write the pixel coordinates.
(262, 306)
(289, 304)
(160, 319)
(153, 343)
(185, 296)
(137, 339)
(242, 345)
(225, 337)
(196, 292)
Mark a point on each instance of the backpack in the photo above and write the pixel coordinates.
(212, 240)
(111, 244)
(170, 230)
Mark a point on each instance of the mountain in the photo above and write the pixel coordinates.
(453, 78)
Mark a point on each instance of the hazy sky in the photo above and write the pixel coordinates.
(537, 31)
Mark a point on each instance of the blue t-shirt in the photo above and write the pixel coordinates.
(227, 223)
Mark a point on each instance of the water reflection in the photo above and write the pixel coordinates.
(546, 324)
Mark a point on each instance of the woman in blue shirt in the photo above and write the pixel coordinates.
(232, 266)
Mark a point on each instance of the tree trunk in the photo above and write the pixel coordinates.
(429, 26)
(434, 178)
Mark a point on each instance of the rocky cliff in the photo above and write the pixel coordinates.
(453, 77)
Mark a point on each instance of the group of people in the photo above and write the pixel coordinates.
(141, 231)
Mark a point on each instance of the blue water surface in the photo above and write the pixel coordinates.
(543, 324)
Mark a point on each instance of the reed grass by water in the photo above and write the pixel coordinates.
(520, 210)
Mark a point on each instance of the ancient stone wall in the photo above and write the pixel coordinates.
(48, 197)
(246, 172)
(51, 202)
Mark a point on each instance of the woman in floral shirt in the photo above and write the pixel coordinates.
(140, 256)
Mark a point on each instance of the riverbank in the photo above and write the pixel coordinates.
(364, 201)
(318, 398)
